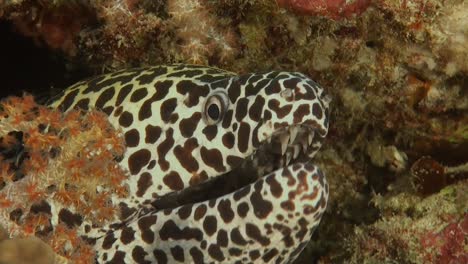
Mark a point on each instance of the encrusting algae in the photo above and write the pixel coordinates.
(48, 155)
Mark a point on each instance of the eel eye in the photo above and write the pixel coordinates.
(215, 107)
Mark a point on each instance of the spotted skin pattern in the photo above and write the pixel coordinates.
(175, 140)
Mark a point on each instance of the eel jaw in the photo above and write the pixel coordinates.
(291, 144)
(294, 143)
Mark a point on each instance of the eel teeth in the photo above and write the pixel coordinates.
(310, 138)
(304, 145)
(288, 157)
(293, 133)
(284, 139)
(297, 150)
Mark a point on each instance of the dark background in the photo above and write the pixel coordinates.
(28, 66)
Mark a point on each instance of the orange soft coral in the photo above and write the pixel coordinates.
(48, 157)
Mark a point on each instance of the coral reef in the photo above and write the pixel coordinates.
(47, 155)
(397, 73)
(336, 9)
(430, 230)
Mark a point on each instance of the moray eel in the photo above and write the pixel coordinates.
(186, 126)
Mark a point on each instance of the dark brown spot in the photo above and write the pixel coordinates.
(145, 224)
(291, 83)
(105, 97)
(124, 91)
(16, 214)
(164, 148)
(241, 109)
(132, 138)
(152, 134)
(170, 230)
(126, 119)
(270, 255)
(40, 207)
(118, 111)
(254, 254)
(138, 160)
(237, 237)
(178, 253)
(200, 212)
(108, 110)
(160, 256)
(225, 210)
(193, 91)
(151, 165)
(222, 238)
(68, 100)
(125, 210)
(213, 158)
(138, 95)
(139, 254)
(273, 88)
(108, 241)
(215, 252)
(184, 212)
(275, 186)
(287, 205)
(119, 257)
(235, 252)
(317, 111)
(281, 112)
(243, 209)
(253, 232)
(262, 208)
(256, 109)
(210, 225)
(162, 89)
(83, 104)
(227, 119)
(167, 108)
(228, 140)
(188, 125)
(308, 95)
(127, 235)
(255, 140)
(69, 218)
(185, 157)
(300, 112)
(234, 90)
(210, 131)
(197, 255)
(254, 89)
(243, 137)
(144, 182)
(173, 181)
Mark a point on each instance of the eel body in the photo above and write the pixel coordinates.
(186, 126)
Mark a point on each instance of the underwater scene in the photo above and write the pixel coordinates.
(234, 131)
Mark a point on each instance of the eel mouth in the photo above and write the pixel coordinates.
(286, 146)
